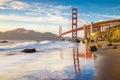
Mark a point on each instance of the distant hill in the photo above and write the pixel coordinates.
(23, 34)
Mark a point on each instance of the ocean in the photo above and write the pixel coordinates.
(54, 60)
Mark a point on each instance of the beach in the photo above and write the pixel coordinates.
(107, 67)
(54, 60)
(114, 49)
(58, 60)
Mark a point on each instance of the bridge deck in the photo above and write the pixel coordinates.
(96, 24)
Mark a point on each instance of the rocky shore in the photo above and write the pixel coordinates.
(104, 49)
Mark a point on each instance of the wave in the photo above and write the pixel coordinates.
(43, 45)
(22, 45)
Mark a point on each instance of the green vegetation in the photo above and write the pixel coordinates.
(111, 34)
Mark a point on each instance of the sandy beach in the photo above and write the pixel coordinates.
(114, 49)
(104, 49)
(109, 51)
(107, 63)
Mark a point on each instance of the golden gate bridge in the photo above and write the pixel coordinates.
(88, 28)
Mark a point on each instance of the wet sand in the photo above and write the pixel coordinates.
(107, 63)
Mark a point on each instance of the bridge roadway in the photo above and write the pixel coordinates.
(96, 24)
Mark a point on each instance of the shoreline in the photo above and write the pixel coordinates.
(104, 49)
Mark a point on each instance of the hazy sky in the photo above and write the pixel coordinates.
(48, 15)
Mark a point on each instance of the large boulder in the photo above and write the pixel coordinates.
(93, 48)
(29, 50)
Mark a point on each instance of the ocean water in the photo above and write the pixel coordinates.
(21, 44)
(54, 60)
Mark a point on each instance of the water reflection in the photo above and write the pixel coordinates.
(81, 74)
(66, 64)
(61, 54)
(76, 60)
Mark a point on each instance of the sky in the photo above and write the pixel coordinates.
(48, 15)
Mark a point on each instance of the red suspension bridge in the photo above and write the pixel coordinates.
(88, 28)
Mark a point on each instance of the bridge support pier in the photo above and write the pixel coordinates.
(86, 32)
(92, 28)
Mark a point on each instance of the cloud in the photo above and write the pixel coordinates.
(113, 8)
(83, 22)
(13, 5)
(45, 9)
(106, 16)
(95, 17)
(35, 9)
(30, 26)
(18, 5)
(51, 19)
(38, 12)
(2, 2)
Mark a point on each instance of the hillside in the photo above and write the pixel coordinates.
(23, 34)
(110, 34)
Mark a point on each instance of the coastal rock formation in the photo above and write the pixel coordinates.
(29, 50)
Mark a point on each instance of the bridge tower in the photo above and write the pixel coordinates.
(86, 32)
(60, 31)
(74, 24)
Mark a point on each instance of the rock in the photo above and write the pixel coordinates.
(37, 40)
(92, 41)
(110, 44)
(63, 40)
(78, 41)
(29, 50)
(93, 48)
(3, 41)
(115, 47)
(69, 40)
